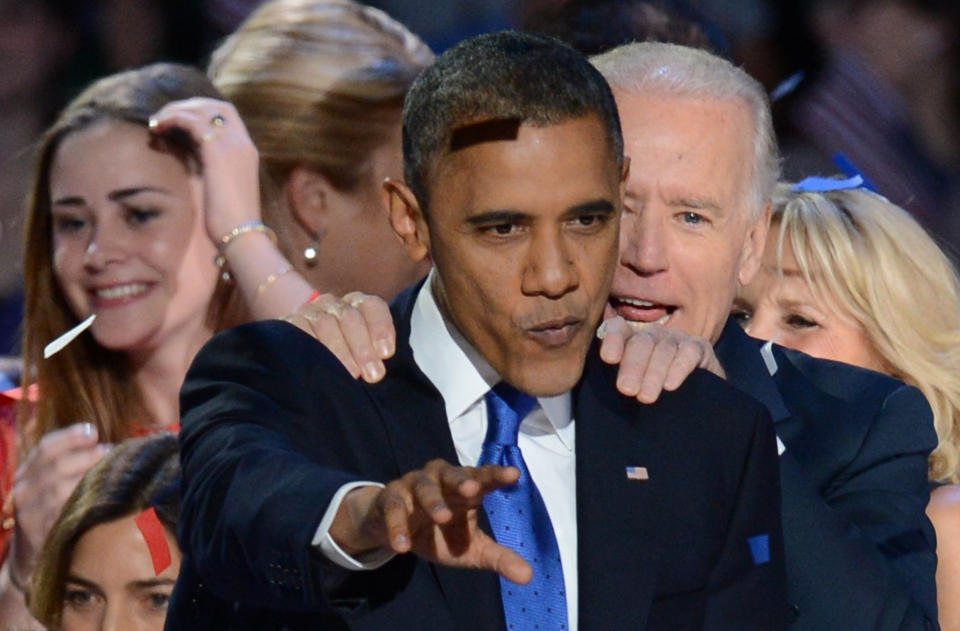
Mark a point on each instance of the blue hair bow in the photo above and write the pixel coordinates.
(827, 184)
(855, 179)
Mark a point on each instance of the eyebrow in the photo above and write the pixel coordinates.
(496, 217)
(698, 203)
(115, 196)
(150, 583)
(599, 206)
(93, 587)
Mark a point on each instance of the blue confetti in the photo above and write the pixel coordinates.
(760, 549)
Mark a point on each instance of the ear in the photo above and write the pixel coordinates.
(407, 219)
(753, 246)
(307, 193)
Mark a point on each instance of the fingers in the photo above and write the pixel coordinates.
(505, 562)
(61, 441)
(435, 495)
(616, 332)
(357, 328)
(395, 505)
(691, 354)
(655, 360)
(633, 364)
(376, 313)
(356, 334)
(204, 119)
(320, 318)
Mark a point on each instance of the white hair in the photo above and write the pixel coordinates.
(645, 67)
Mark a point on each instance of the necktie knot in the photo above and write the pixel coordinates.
(506, 409)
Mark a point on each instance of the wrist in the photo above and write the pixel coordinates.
(355, 528)
(244, 231)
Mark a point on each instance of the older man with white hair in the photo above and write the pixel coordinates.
(860, 551)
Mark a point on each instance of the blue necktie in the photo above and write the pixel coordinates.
(520, 521)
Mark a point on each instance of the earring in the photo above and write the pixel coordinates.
(310, 253)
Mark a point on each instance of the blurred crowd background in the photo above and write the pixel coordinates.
(875, 81)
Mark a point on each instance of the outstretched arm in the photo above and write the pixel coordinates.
(433, 514)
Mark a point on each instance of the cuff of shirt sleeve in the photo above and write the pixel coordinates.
(322, 539)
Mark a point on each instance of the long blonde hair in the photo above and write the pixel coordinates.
(320, 84)
(86, 382)
(877, 266)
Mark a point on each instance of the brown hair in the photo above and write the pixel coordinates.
(84, 381)
(138, 474)
(320, 84)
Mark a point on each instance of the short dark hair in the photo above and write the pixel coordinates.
(500, 76)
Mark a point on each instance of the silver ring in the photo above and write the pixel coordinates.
(218, 120)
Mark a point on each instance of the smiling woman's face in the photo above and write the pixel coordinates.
(129, 242)
(782, 307)
(112, 584)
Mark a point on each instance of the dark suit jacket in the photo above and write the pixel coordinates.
(860, 550)
(273, 426)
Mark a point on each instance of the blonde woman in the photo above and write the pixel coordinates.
(851, 277)
(320, 86)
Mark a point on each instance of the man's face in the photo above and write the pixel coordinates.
(686, 236)
(524, 237)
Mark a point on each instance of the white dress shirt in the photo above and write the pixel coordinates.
(546, 436)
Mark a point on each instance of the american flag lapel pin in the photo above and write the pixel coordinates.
(637, 473)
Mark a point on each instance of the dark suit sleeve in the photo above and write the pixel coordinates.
(747, 588)
(865, 557)
(252, 498)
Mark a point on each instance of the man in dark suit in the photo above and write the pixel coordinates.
(860, 550)
(301, 485)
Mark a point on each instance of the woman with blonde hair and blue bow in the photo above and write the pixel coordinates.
(849, 276)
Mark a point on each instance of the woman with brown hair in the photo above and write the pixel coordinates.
(111, 559)
(125, 222)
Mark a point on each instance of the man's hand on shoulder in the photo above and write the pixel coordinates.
(433, 513)
(653, 358)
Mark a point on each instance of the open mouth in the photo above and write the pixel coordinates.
(643, 312)
(554, 333)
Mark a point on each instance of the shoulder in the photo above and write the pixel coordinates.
(269, 345)
(855, 407)
(262, 364)
(841, 381)
(704, 405)
(944, 511)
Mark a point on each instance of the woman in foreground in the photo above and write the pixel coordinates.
(112, 558)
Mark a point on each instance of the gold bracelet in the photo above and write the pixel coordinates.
(262, 287)
(244, 228)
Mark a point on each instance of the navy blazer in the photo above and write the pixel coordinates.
(273, 426)
(860, 549)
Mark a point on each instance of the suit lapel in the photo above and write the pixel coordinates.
(615, 515)
(419, 431)
(739, 354)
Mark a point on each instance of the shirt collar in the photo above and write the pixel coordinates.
(456, 369)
